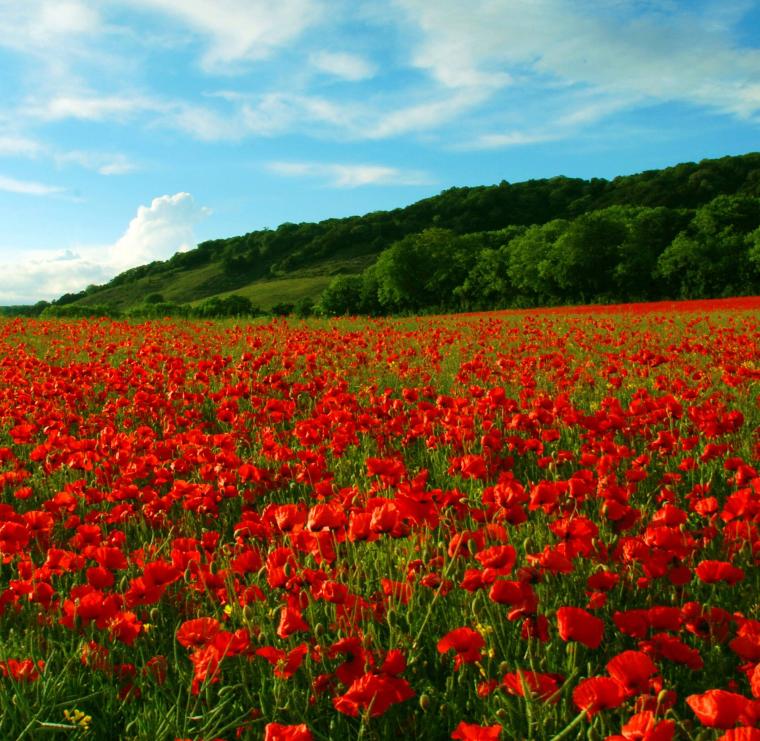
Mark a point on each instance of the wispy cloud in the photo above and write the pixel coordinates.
(343, 65)
(668, 51)
(92, 107)
(19, 146)
(336, 175)
(27, 187)
(104, 163)
(239, 30)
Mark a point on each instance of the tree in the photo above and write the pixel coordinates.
(422, 270)
(342, 296)
(712, 256)
(530, 269)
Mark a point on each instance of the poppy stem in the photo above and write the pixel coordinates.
(576, 721)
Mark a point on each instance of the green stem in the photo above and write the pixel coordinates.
(576, 721)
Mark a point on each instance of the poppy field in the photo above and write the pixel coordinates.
(517, 525)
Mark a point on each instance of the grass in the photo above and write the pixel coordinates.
(199, 284)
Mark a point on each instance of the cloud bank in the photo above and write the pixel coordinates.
(155, 233)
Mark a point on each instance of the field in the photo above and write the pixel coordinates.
(517, 525)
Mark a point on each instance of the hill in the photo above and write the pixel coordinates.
(296, 262)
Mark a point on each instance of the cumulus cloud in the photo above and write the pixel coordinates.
(349, 176)
(158, 231)
(155, 233)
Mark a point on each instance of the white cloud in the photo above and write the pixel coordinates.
(420, 116)
(509, 139)
(46, 24)
(27, 187)
(101, 162)
(158, 231)
(155, 233)
(19, 146)
(93, 107)
(629, 52)
(349, 176)
(346, 66)
(241, 29)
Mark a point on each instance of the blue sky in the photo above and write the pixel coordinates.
(131, 129)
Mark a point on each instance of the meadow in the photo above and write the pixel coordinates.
(513, 525)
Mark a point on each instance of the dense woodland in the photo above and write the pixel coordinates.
(688, 231)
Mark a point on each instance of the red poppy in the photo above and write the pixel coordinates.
(21, 670)
(466, 642)
(712, 572)
(576, 624)
(291, 621)
(279, 732)
(285, 663)
(645, 726)
(598, 693)
(633, 670)
(198, 632)
(373, 692)
(542, 686)
(474, 732)
(742, 733)
(718, 708)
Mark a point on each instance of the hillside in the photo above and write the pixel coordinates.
(297, 261)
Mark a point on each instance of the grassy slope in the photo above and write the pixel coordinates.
(198, 284)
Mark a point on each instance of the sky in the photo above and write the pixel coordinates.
(133, 129)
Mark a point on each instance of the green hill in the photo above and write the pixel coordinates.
(297, 261)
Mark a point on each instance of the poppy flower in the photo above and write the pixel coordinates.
(742, 733)
(279, 732)
(198, 632)
(712, 572)
(373, 692)
(22, 670)
(633, 670)
(598, 693)
(500, 557)
(542, 686)
(285, 663)
(645, 726)
(718, 708)
(466, 642)
(291, 621)
(474, 732)
(575, 624)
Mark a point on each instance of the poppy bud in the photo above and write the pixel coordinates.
(319, 630)
(155, 614)
(248, 613)
(501, 714)
(424, 702)
(504, 667)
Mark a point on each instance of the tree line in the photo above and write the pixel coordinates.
(614, 254)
